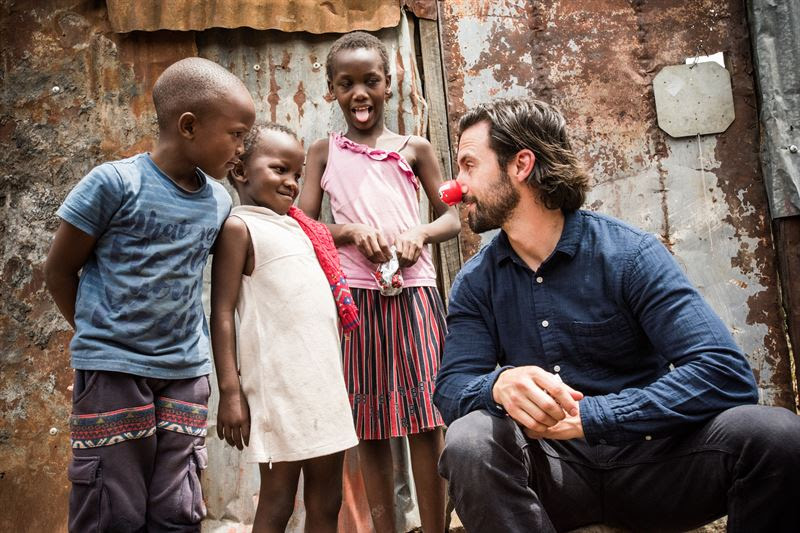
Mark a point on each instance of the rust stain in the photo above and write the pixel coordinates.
(34, 383)
(400, 75)
(422, 8)
(7, 127)
(502, 55)
(414, 97)
(146, 56)
(286, 60)
(744, 190)
(273, 97)
(300, 99)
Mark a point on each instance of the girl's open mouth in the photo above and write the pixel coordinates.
(362, 113)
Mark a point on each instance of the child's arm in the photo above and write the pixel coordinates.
(70, 250)
(233, 414)
(445, 226)
(370, 242)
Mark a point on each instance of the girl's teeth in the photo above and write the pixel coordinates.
(362, 115)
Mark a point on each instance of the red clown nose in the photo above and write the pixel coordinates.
(450, 192)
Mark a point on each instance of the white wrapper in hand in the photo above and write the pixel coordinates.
(388, 276)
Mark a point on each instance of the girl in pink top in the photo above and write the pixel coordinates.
(373, 177)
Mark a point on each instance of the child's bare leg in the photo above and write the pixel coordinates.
(276, 497)
(426, 447)
(322, 493)
(375, 460)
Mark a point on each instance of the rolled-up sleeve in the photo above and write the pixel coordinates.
(469, 364)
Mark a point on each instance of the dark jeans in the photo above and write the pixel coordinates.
(745, 463)
(138, 450)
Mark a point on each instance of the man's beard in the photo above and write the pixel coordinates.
(493, 212)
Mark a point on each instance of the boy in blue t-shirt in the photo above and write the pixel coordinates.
(139, 231)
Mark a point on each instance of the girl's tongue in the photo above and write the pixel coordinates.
(362, 114)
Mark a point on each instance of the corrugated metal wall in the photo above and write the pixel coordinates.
(703, 197)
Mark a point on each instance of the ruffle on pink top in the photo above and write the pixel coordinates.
(378, 155)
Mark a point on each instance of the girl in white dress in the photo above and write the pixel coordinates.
(286, 404)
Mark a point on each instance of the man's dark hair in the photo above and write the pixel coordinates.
(251, 141)
(519, 123)
(192, 84)
(353, 41)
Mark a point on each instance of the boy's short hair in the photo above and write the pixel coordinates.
(353, 41)
(251, 140)
(190, 85)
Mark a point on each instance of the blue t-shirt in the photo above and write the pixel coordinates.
(139, 305)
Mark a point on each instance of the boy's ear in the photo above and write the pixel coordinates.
(187, 124)
(388, 91)
(237, 173)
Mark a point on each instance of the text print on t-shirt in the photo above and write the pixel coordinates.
(158, 265)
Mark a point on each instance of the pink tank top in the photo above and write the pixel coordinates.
(377, 188)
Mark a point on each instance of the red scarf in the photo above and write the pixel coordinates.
(322, 241)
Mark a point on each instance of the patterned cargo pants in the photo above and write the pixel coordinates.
(138, 451)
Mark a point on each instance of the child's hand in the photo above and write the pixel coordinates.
(409, 246)
(370, 242)
(233, 419)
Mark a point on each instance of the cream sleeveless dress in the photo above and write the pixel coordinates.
(289, 347)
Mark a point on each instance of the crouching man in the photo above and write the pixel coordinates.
(584, 379)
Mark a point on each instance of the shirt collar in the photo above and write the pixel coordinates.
(572, 233)
(568, 243)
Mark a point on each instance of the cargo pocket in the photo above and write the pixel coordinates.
(88, 500)
(192, 505)
(83, 383)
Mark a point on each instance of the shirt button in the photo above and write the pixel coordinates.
(539, 279)
(545, 323)
(648, 437)
(556, 368)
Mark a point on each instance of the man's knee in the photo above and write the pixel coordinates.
(763, 430)
(474, 439)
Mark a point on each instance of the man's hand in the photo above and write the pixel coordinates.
(233, 419)
(568, 428)
(536, 399)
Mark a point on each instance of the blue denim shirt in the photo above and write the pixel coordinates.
(611, 312)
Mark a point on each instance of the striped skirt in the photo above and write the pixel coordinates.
(391, 361)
